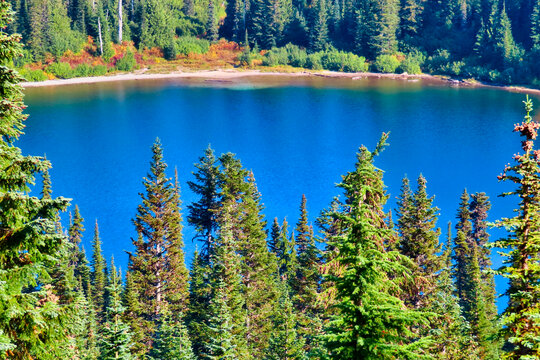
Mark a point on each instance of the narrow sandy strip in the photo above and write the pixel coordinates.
(221, 74)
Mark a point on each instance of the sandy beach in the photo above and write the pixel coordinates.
(229, 74)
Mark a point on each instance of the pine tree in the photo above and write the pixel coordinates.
(202, 214)
(31, 325)
(211, 23)
(371, 322)
(199, 301)
(462, 250)
(157, 268)
(241, 207)
(220, 328)
(521, 318)
(115, 340)
(318, 36)
(285, 343)
(419, 241)
(171, 341)
(157, 24)
(535, 26)
(99, 275)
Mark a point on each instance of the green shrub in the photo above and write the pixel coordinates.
(297, 56)
(412, 64)
(439, 62)
(127, 62)
(33, 75)
(99, 70)
(188, 44)
(386, 64)
(82, 70)
(493, 76)
(61, 70)
(314, 61)
(169, 51)
(342, 61)
(275, 57)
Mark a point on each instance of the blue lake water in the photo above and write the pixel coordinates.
(297, 135)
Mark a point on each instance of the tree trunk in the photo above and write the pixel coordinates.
(120, 21)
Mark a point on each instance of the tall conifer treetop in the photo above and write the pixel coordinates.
(371, 322)
(522, 265)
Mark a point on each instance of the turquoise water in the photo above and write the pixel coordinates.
(297, 135)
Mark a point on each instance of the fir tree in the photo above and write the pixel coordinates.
(521, 318)
(202, 214)
(318, 37)
(31, 325)
(371, 322)
(211, 24)
(115, 340)
(157, 268)
(535, 26)
(171, 341)
(285, 343)
(419, 241)
(99, 275)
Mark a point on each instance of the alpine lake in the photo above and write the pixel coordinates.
(297, 134)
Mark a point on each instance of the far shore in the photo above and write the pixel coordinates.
(229, 74)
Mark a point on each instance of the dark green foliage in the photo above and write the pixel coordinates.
(99, 275)
(318, 36)
(211, 23)
(115, 340)
(521, 318)
(202, 214)
(171, 341)
(31, 324)
(370, 323)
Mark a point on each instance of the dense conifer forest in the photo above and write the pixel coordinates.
(363, 282)
(495, 41)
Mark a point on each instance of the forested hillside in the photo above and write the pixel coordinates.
(363, 282)
(489, 40)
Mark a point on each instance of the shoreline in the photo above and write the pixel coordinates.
(230, 74)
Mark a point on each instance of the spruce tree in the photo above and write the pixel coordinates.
(171, 341)
(521, 318)
(202, 214)
(284, 343)
(31, 325)
(318, 36)
(159, 277)
(211, 23)
(115, 340)
(99, 275)
(535, 26)
(371, 322)
(241, 207)
(419, 241)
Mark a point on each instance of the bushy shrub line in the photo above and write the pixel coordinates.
(329, 60)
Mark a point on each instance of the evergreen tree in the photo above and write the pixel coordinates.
(419, 241)
(31, 324)
(157, 24)
(199, 301)
(171, 341)
(318, 36)
(535, 26)
(371, 322)
(521, 318)
(159, 277)
(115, 340)
(99, 275)
(211, 24)
(220, 328)
(202, 214)
(285, 343)
(242, 208)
